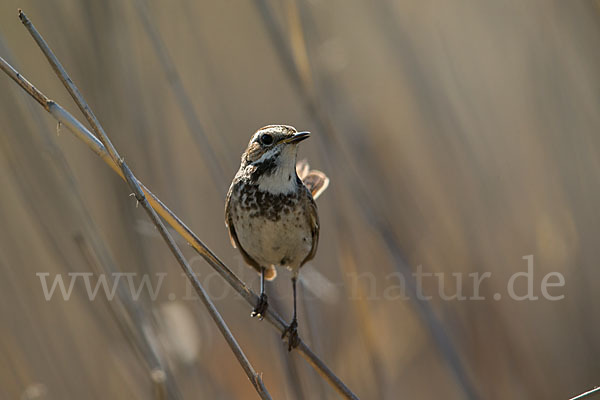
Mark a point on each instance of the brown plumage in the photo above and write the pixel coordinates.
(270, 210)
(315, 181)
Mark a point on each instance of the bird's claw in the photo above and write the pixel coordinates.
(261, 307)
(292, 333)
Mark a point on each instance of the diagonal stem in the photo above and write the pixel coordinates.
(589, 393)
(79, 130)
(141, 198)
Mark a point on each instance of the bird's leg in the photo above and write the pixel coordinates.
(262, 305)
(292, 330)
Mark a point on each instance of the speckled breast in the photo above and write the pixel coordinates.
(272, 228)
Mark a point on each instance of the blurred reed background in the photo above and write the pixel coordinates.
(459, 136)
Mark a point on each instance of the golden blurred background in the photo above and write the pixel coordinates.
(460, 137)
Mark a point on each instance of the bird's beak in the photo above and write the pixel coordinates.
(298, 137)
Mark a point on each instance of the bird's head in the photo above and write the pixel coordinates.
(272, 152)
(274, 144)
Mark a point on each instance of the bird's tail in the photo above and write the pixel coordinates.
(270, 273)
(315, 181)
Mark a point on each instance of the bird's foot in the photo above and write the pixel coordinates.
(292, 333)
(261, 307)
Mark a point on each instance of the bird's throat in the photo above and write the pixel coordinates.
(279, 181)
(274, 177)
(275, 171)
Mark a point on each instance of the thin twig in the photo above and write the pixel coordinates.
(141, 198)
(589, 393)
(79, 130)
(136, 325)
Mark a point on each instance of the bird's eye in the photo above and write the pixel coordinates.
(266, 139)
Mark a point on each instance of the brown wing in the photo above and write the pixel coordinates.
(233, 236)
(316, 181)
(313, 220)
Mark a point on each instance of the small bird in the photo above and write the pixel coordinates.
(270, 210)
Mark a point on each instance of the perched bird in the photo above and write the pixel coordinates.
(271, 212)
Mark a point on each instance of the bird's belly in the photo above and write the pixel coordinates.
(286, 241)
